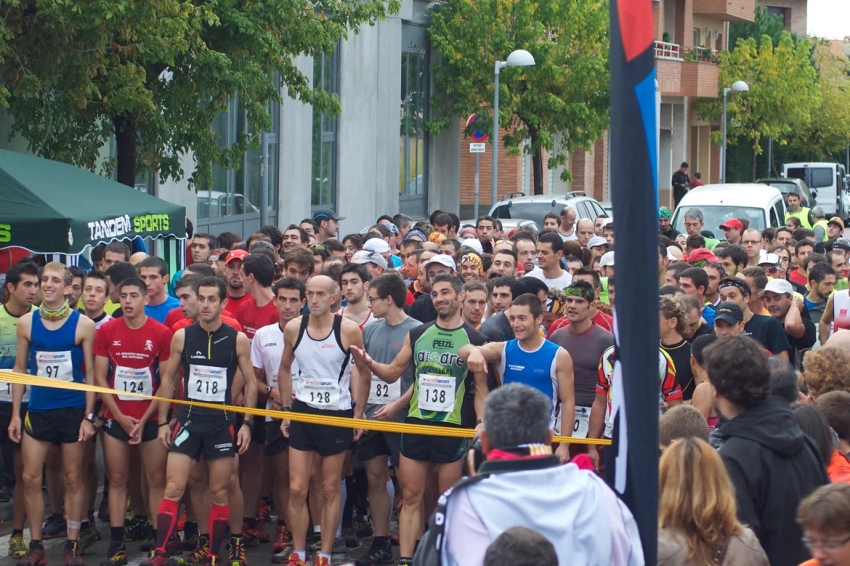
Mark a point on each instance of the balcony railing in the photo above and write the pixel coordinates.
(664, 50)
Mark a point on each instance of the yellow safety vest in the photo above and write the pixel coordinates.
(802, 215)
(823, 224)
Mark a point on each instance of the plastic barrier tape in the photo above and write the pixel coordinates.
(345, 422)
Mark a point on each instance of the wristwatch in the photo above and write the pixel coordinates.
(268, 390)
(249, 422)
(91, 417)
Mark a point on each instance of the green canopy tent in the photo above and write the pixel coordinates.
(50, 207)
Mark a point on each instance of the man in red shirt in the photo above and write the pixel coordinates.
(596, 315)
(128, 353)
(236, 292)
(804, 249)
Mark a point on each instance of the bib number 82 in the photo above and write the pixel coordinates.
(382, 390)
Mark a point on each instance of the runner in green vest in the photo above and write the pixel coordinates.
(804, 215)
(819, 224)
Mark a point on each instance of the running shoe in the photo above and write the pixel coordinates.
(321, 561)
(17, 547)
(340, 547)
(116, 555)
(190, 535)
(174, 546)
(363, 527)
(93, 525)
(34, 557)
(250, 537)
(156, 559)
(87, 538)
(376, 554)
(282, 539)
(199, 553)
(291, 560)
(135, 530)
(264, 513)
(54, 527)
(103, 509)
(237, 556)
(73, 553)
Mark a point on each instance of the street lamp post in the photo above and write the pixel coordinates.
(518, 58)
(737, 86)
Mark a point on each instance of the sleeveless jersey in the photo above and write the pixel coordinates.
(535, 369)
(55, 354)
(325, 368)
(209, 364)
(370, 318)
(441, 379)
(8, 351)
(841, 310)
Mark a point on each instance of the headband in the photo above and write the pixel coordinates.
(585, 294)
(474, 258)
(732, 282)
(664, 213)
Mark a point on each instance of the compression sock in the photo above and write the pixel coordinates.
(166, 522)
(116, 534)
(219, 515)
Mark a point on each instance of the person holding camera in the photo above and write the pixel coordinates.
(520, 482)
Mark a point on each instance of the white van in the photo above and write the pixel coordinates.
(825, 180)
(761, 205)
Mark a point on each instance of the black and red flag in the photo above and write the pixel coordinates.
(632, 461)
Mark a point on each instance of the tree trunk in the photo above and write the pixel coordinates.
(125, 144)
(536, 163)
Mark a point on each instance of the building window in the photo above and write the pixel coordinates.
(697, 42)
(413, 170)
(237, 191)
(325, 77)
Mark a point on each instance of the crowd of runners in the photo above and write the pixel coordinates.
(411, 322)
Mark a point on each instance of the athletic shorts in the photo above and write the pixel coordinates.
(435, 449)
(323, 439)
(5, 419)
(377, 443)
(56, 426)
(113, 429)
(275, 441)
(204, 439)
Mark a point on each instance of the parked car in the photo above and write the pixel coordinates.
(792, 185)
(517, 209)
(761, 205)
(826, 182)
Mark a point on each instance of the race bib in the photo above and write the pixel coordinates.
(319, 392)
(131, 380)
(207, 383)
(55, 365)
(437, 393)
(580, 425)
(383, 393)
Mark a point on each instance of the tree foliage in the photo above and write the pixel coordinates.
(560, 104)
(156, 73)
(764, 24)
(783, 92)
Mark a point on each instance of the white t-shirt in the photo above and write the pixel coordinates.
(266, 352)
(572, 236)
(561, 282)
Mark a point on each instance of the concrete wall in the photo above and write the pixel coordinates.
(296, 154)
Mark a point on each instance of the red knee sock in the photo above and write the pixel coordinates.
(166, 522)
(219, 516)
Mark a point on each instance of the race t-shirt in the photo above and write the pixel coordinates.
(769, 332)
(561, 282)
(441, 379)
(160, 311)
(252, 318)
(8, 351)
(680, 353)
(586, 350)
(266, 351)
(383, 343)
(668, 388)
(601, 320)
(233, 305)
(136, 357)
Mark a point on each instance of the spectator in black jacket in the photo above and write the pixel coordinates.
(680, 182)
(771, 463)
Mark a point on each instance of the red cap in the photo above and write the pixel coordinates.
(702, 254)
(733, 223)
(235, 254)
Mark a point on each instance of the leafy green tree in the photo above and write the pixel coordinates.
(764, 24)
(560, 104)
(783, 93)
(156, 73)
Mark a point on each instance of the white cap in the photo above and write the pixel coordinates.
(780, 286)
(597, 241)
(671, 255)
(607, 259)
(377, 245)
(442, 259)
(770, 259)
(472, 243)
(363, 256)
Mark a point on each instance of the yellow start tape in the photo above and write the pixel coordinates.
(344, 422)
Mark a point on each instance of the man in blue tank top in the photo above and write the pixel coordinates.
(54, 342)
(531, 360)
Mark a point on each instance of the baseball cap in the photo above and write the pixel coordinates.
(596, 241)
(473, 243)
(732, 223)
(702, 254)
(377, 245)
(235, 254)
(326, 215)
(841, 244)
(836, 220)
(364, 256)
(770, 259)
(607, 260)
(729, 312)
(442, 259)
(780, 286)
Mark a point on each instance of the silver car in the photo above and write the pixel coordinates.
(516, 208)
